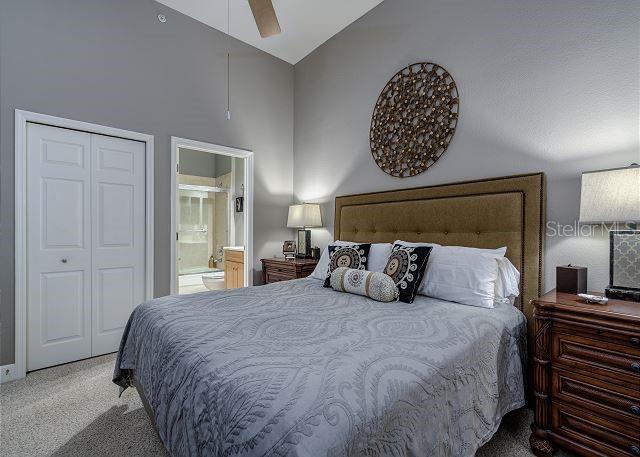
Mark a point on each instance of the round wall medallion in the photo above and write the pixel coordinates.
(414, 119)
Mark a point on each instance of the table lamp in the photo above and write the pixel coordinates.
(302, 217)
(613, 196)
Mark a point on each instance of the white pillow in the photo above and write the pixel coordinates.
(378, 256)
(508, 282)
(461, 274)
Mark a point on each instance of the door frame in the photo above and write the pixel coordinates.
(177, 143)
(22, 118)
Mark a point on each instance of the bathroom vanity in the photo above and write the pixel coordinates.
(233, 267)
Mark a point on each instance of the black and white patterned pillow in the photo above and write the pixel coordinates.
(353, 256)
(406, 267)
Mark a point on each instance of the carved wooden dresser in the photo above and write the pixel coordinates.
(586, 377)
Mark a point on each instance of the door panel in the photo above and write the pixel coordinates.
(115, 215)
(115, 287)
(118, 206)
(63, 311)
(63, 225)
(58, 246)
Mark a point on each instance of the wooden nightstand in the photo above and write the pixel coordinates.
(281, 269)
(586, 376)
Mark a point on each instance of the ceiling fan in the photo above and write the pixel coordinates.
(265, 17)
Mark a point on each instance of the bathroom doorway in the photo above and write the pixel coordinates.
(210, 210)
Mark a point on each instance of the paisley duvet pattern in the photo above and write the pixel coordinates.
(296, 369)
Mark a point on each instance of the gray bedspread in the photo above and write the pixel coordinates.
(296, 369)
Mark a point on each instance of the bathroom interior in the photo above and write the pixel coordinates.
(209, 223)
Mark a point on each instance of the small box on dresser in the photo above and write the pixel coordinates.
(571, 279)
(586, 377)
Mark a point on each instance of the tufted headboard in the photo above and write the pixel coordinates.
(490, 213)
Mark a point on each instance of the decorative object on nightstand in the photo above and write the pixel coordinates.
(586, 376)
(614, 196)
(279, 269)
(289, 249)
(304, 216)
(571, 279)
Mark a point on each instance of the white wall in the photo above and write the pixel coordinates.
(544, 86)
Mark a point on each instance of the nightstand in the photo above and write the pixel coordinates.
(281, 269)
(586, 376)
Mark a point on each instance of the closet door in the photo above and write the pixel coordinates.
(118, 232)
(58, 246)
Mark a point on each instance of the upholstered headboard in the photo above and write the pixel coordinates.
(491, 213)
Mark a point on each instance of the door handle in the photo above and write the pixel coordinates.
(64, 260)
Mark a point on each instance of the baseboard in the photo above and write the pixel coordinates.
(7, 373)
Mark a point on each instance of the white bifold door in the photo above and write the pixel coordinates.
(85, 242)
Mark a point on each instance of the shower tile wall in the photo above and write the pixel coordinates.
(202, 235)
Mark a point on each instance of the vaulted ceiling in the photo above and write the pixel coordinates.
(306, 24)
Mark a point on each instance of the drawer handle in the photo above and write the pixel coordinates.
(635, 341)
(635, 450)
(635, 366)
(635, 409)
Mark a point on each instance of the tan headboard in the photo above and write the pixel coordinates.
(490, 213)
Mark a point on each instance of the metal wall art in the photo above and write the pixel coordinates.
(414, 119)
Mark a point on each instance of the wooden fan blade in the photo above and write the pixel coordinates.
(265, 17)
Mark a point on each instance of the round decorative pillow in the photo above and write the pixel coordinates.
(375, 285)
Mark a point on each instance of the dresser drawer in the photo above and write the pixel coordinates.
(600, 358)
(277, 277)
(591, 435)
(629, 340)
(603, 398)
(281, 268)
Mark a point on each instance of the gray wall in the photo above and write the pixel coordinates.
(545, 86)
(205, 164)
(112, 63)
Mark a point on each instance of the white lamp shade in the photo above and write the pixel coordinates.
(610, 195)
(304, 215)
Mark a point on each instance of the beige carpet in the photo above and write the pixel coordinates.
(74, 410)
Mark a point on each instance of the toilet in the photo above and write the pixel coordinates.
(214, 280)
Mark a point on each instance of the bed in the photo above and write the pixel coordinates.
(296, 369)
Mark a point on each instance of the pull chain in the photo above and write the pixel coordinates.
(228, 71)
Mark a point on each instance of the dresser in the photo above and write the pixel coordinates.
(233, 268)
(586, 377)
(281, 269)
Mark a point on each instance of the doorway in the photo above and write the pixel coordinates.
(211, 217)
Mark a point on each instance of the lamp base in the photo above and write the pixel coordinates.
(304, 244)
(622, 294)
(624, 260)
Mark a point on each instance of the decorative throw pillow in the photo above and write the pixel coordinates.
(372, 284)
(406, 267)
(378, 256)
(353, 256)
